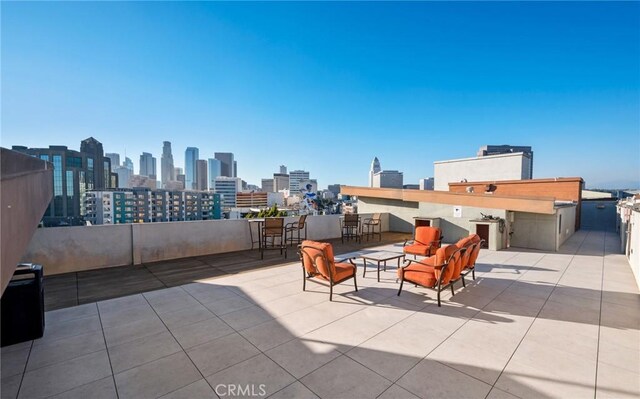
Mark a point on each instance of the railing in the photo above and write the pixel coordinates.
(77, 248)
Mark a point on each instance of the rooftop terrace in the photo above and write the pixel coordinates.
(532, 324)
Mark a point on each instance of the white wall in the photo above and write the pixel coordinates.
(630, 240)
(534, 230)
(568, 227)
(70, 249)
(495, 167)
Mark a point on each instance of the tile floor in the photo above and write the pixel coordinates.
(531, 325)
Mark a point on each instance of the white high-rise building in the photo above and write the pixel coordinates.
(375, 168)
(295, 177)
(228, 187)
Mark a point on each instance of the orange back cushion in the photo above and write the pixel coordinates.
(474, 238)
(426, 234)
(317, 257)
(442, 255)
(474, 254)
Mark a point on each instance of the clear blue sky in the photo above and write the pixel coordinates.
(325, 87)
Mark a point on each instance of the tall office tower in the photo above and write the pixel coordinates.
(388, 179)
(178, 171)
(100, 167)
(426, 184)
(226, 159)
(235, 168)
(74, 172)
(280, 182)
(267, 185)
(124, 175)
(228, 188)
(375, 168)
(215, 167)
(166, 162)
(283, 170)
(148, 166)
(181, 178)
(295, 177)
(191, 156)
(201, 174)
(488, 150)
(115, 160)
(128, 163)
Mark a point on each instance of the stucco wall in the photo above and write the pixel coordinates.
(69, 249)
(399, 213)
(568, 226)
(500, 167)
(534, 230)
(630, 242)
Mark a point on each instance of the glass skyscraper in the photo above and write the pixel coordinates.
(191, 156)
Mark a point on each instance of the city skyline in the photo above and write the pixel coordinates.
(305, 82)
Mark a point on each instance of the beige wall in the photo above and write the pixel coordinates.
(496, 167)
(568, 227)
(534, 230)
(69, 249)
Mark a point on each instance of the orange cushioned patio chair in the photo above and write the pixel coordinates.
(466, 246)
(426, 242)
(318, 261)
(434, 272)
(470, 267)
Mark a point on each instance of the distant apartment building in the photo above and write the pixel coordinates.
(267, 185)
(334, 188)
(191, 156)
(228, 188)
(280, 182)
(411, 186)
(257, 199)
(295, 177)
(215, 170)
(426, 184)
(147, 206)
(511, 166)
(115, 160)
(74, 173)
(228, 167)
(166, 164)
(508, 149)
(388, 179)
(148, 166)
(375, 168)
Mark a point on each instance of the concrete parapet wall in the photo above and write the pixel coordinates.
(72, 249)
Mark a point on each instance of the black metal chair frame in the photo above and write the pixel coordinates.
(305, 275)
(439, 286)
(296, 227)
(370, 224)
(351, 229)
(269, 232)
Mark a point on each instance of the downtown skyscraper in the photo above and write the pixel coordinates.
(191, 156)
(166, 162)
(228, 166)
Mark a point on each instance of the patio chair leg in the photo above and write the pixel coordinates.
(438, 297)
(355, 284)
(304, 279)
(400, 290)
(473, 273)
(463, 283)
(330, 292)
(452, 292)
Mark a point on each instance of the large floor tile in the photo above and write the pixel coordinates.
(294, 391)
(345, 378)
(614, 382)
(123, 333)
(61, 377)
(13, 362)
(101, 389)
(157, 378)
(443, 382)
(198, 390)
(141, 351)
(246, 318)
(184, 317)
(258, 375)
(203, 331)
(53, 352)
(221, 353)
(69, 328)
(397, 392)
(300, 357)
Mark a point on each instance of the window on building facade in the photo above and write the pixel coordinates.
(57, 186)
(70, 193)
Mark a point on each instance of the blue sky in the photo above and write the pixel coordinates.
(325, 87)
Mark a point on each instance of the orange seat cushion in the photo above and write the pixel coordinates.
(322, 254)
(419, 249)
(344, 270)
